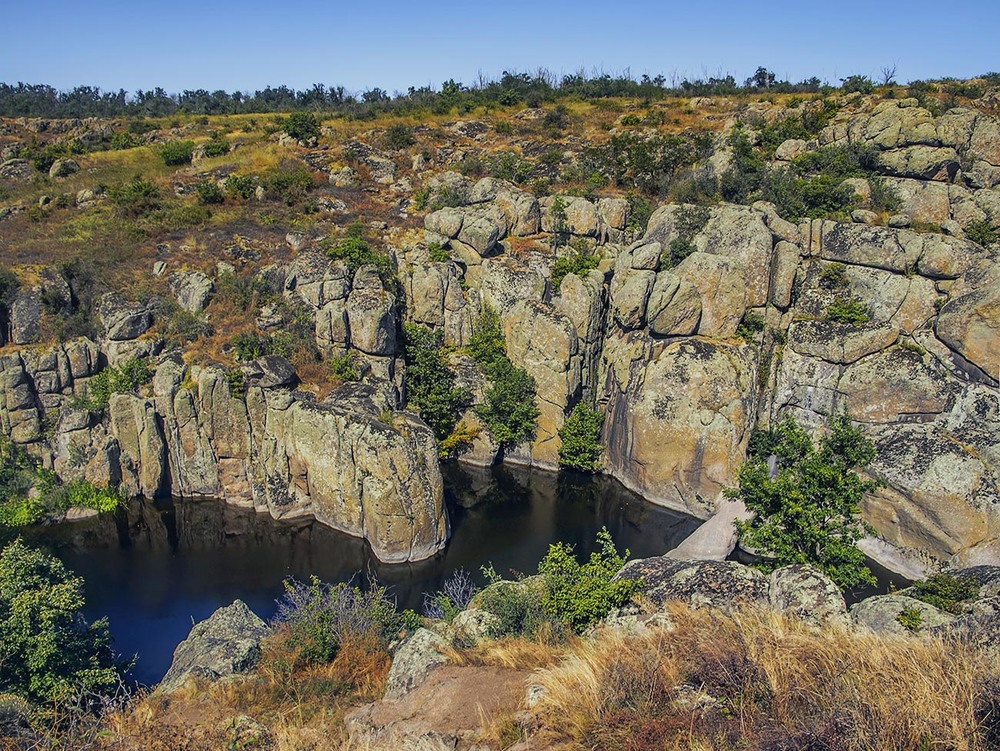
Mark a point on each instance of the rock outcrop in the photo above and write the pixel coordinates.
(227, 642)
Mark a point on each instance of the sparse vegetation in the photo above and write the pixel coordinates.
(355, 249)
(579, 263)
(847, 310)
(127, 377)
(945, 592)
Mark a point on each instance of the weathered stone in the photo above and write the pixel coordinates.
(193, 289)
(227, 642)
(806, 593)
(715, 584)
(881, 614)
(270, 371)
(413, 662)
(123, 320)
(63, 168)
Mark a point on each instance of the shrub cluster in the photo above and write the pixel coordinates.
(581, 439)
(129, 376)
(318, 617)
(945, 592)
(356, 250)
(430, 383)
(508, 410)
(176, 153)
(579, 263)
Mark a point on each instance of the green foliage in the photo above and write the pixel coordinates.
(250, 346)
(344, 367)
(83, 494)
(857, 84)
(319, 617)
(581, 439)
(846, 310)
(834, 276)
(129, 376)
(240, 186)
(244, 292)
(210, 192)
(517, 606)
(802, 126)
(750, 325)
(580, 594)
(125, 140)
(289, 181)
(398, 137)
(945, 592)
(688, 222)
(560, 227)
(910, 618)
(176, 153)
(356, 250)
(579, 263)
(9, 284)
(640, 209)
(183, 327)
(237, 381)
(302, 126)
(508, 410)
(506, 165)
(646, 163)
(983, 232)
(809, 511)
(135, 198)
(217, 146)
(47, 649)
(438, 253)
(430, 383)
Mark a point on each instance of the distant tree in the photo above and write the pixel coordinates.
(302, 126)
(761, 79)
(807, 499)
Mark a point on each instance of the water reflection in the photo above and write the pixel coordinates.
(162, 566)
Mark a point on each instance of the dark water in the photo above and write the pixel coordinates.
(161, 567)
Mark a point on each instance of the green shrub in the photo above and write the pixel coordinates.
(344, 367)
(508, 410)
(237, 381)
(910, 618)
(47, 650)
(176, 153)
(810, 510)
(136, 198)
(846, 310)
(857, 84)
(399, 137)
(945, 592)
(9, 284)
(750, 325)
(319, 617)
(132, 373)
(241, 187)
(183, 326)
(581, 439)
(438, 253)
(244, 292)
(834, 276)
(217, 146)
(289, 181)
(250, 346)
(124, 140)
(983, 232)
(430, 383)
(83, 494)
(302, 126)
(210, 192)
(506, 165)
(578, 263)
(560, 226)
(356, 250)
(580, 594)
(517, 607)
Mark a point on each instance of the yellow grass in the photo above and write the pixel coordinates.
(766, 681)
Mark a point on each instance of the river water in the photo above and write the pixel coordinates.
(162, 566)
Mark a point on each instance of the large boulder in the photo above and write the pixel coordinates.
(806, 593)
(225, 643)
(882, 614)
(192, 289)
(716, 584)
(123, 320)
(413, 662)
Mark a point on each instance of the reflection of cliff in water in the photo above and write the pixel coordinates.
(160, 565)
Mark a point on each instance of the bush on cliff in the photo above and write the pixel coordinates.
(47, 650)
(581, 439)
(430, 383)
(508, 410)
(808, 509)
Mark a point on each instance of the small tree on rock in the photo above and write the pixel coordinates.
(807, 499)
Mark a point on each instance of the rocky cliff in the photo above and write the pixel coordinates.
(695, 327)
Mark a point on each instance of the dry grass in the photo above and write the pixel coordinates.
(510, 652)
(758, 680)
(292, 706)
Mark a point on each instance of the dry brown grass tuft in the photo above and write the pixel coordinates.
(759, 680)
(293, 705)
(510, 652)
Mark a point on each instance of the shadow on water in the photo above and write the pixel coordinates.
(162, 566)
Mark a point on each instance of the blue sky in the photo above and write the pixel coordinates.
(220, 44)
